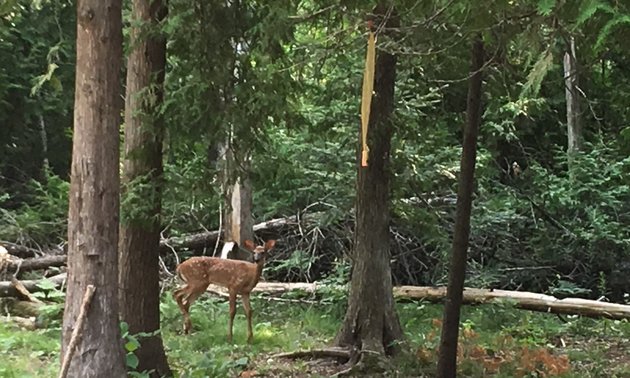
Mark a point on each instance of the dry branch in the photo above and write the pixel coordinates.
(7, 288)
(23, 290)
(76, 332)
(521, 299)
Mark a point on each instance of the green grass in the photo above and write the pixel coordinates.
(519, 342)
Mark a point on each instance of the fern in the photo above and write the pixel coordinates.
(609, 27)
(589, 8)
(545, 7)
(537, 74)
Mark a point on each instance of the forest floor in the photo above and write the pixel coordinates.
(496, 341)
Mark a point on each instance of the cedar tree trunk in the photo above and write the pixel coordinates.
(371, 323)
(94, 192)
(447, 363)
(142, 180)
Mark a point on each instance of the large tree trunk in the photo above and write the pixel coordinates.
(371, 323)
(94, 192)
(447, 366)
(142, 179)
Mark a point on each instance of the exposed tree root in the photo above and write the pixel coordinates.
(333, 352)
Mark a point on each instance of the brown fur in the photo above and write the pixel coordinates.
(239, 277)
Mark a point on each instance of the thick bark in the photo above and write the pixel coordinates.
(447, 366)
(574, 128)
(142, 176)
(94, 192)
(371, 322)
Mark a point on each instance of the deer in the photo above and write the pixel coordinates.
(239, 277)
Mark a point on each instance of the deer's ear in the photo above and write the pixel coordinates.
(249, 245)
(269, 244)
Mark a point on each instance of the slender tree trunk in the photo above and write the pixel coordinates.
(447, 363)
(574, 128)
(94, 193)
(371, 323)
(142, 179)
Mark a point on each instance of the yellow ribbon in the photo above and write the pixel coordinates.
(366, 99)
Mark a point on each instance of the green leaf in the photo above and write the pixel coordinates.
(241, 362)
(132, 361)
(132, 345)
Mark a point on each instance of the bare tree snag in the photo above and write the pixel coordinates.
(574, 128)
(447, 366)
(237, 194)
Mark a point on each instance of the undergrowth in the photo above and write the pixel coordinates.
(495, 340)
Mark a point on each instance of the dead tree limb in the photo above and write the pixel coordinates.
(342, 353)
(76, 332)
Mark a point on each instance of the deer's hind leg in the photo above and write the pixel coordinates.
(185, 298)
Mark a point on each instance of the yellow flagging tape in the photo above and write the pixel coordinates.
(366, 99)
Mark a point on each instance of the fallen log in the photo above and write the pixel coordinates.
(16, 307)
(25, 252)
(8, 289)
(208, 238)
(26, 323)
(36, 263)
(520, 299)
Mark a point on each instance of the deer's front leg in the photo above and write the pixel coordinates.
(248, 314)
(232, 314)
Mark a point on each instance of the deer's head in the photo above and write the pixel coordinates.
(259, 251)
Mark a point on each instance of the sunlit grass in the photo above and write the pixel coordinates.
(491, 335)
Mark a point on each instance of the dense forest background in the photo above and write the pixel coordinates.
(282, 80)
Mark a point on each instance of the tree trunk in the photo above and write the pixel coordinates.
(371, 323)
(94, 192)
(447, 363)
(142, 182)
(574, 129)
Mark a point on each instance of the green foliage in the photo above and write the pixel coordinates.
(40, 220)
(537, 74)
(29, 354)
